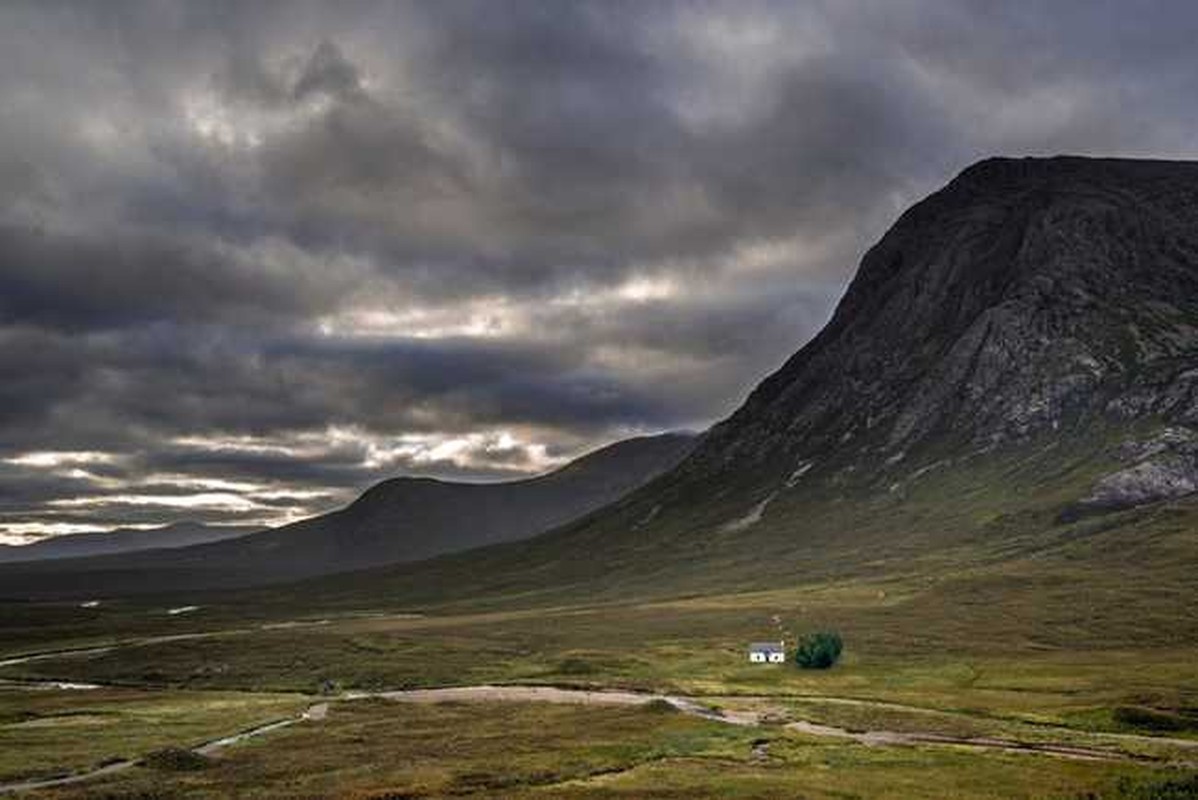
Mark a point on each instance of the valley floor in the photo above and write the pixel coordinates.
(382, 748)
(901, 716)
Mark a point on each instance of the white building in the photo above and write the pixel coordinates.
(767, 652)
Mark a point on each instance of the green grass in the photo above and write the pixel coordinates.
(378, 748)
(988, 656)
(1171, 788)
(47, 732)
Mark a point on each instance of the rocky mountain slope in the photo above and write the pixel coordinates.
(1027, 296)
(122, 540)
(1018, 353)
(402, 519)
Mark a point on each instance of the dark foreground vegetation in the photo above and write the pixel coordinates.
(819, 650)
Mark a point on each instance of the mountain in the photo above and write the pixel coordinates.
(1027, 296)
(1010, 382)
(122, 540)
(402, 519)
(407, 519)
(1005, 400)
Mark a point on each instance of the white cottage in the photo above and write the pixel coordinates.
(767, 652)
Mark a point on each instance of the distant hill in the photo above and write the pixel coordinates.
(408, 519)
(403, 519)
(122, 540)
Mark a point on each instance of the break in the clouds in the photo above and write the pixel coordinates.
(254, 256)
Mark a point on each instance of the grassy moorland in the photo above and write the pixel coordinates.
(977, 687)
(377, 749)
(969, 604)
(44, 732)
(895, 653)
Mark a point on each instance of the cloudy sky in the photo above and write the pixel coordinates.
(255, 256)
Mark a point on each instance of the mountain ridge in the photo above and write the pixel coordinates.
(396, 520)
(184, 533)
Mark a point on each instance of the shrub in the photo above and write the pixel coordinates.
(176, 759)
(661, 706)
(1150, 719)
(819, 650)
(576, 666)
(1176, 788)
(1171, 789)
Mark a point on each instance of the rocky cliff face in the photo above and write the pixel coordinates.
(1026, 296)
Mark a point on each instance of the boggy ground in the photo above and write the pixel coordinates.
(187, 680)
(376, 748)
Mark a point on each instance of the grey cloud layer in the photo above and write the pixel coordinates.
(471, 239)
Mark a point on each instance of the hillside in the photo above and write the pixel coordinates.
(402, 519)
(1011, 381)
(407, 519)
(1027, 296)
(122, 540)
(1004, 396)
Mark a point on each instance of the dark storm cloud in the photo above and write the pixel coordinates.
(106, 279)
(259, 255)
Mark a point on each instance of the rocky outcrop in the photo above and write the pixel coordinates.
(1147, 482)
(1164, 467)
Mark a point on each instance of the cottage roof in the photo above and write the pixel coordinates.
(768, 647)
